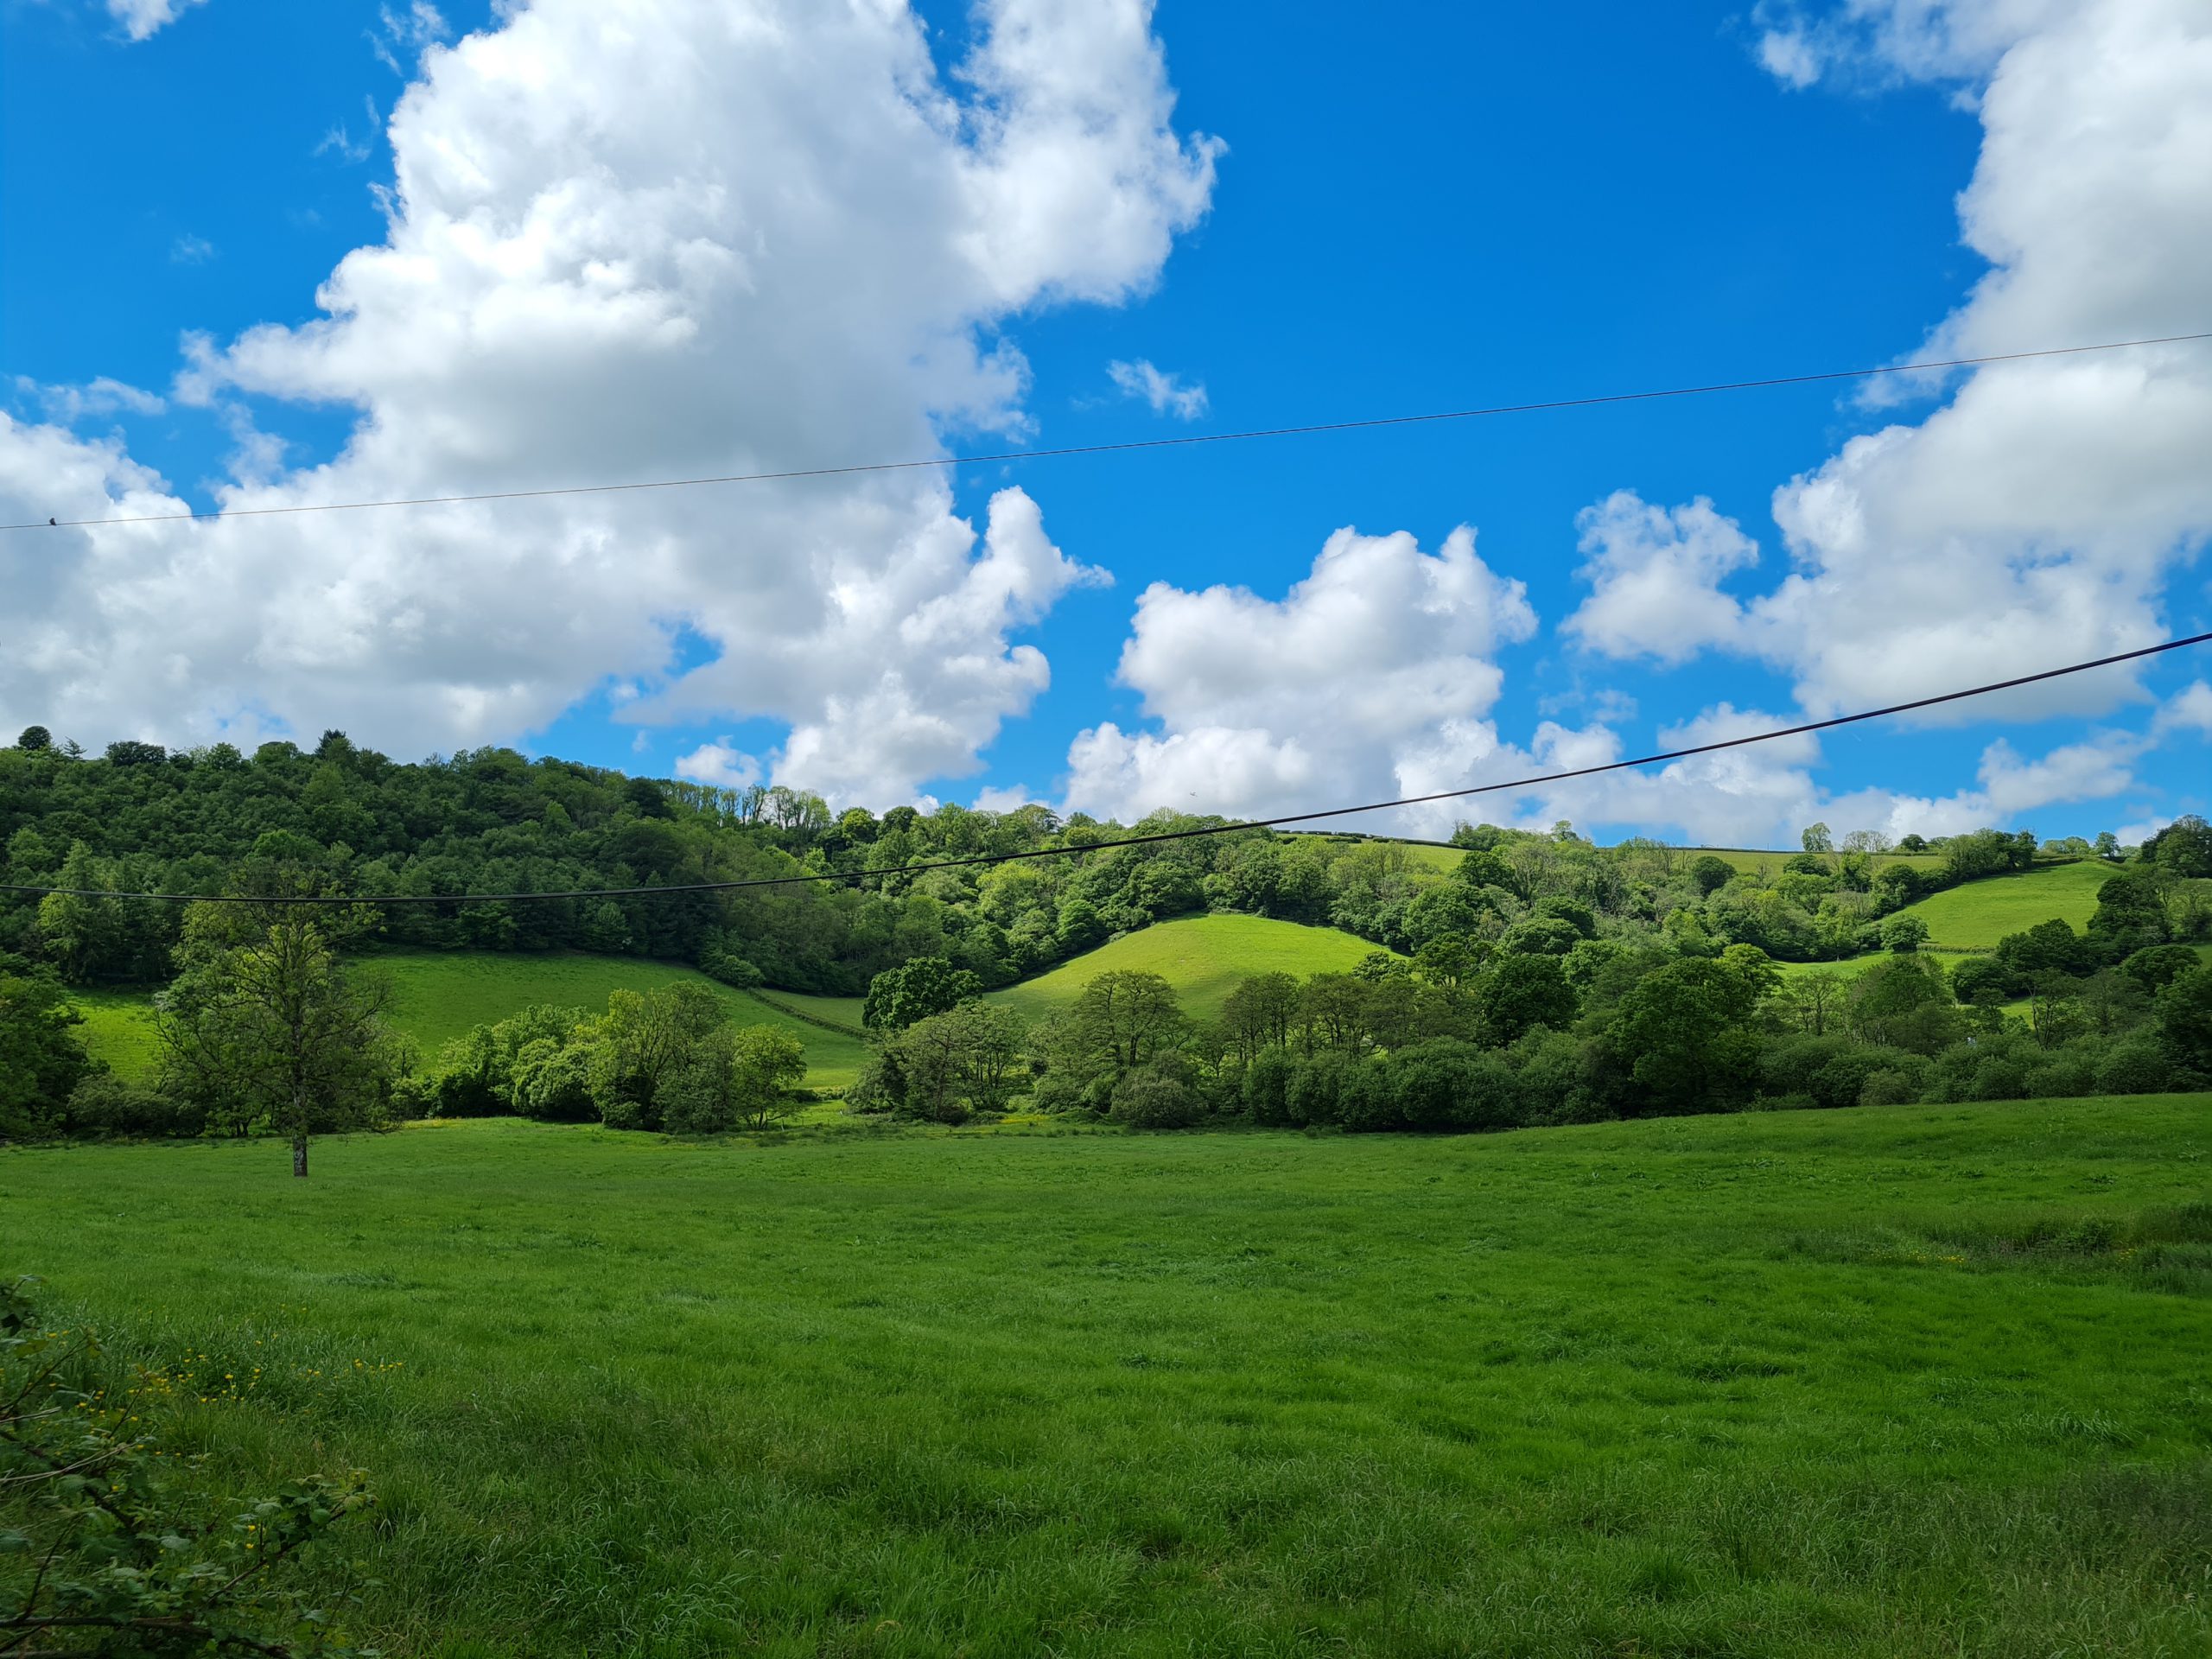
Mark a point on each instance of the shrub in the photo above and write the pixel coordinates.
(730, 967)
(1903, 934)
(1316, 1087)
(1983, 980)
(1150, 1098)
(137, 1560)
(1709, 874)
(2184, 1016)
(1888, 1086)
(2136, 1065)
(2067, 1075)
(1842, 1081)
(1998, 1078)
(1366, 1099)
(1553, 1070)
(1053, 1092)
(1266, 1087)
(106, 1107)
(2159, 966)
(1454, 1085)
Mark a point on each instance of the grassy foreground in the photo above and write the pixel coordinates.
(1203, 956)
(1896, 1381)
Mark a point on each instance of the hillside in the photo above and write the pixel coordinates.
(438, 995)
(1975, 916)
(1771, 861)
(1201, 957)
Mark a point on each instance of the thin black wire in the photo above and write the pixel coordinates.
(1153, 839)
(1184, 441)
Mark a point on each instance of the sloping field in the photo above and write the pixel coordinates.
(1887, 1384)
(118, 1029)
(1768, 862)
(438, 995)
(1976, 916)
(1201, 957)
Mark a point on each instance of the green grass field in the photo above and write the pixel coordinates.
(1888, 1382)
(118, 1029)
(1848, 968)
(1769, 862)
(1203, 956)
(1976, 916)
(439, 996)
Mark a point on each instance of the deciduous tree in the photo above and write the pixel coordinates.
(271, 1031)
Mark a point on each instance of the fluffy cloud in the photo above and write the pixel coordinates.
(1654, 576)
(747, 238)
(2188, 710)
(2038, 515)
(1369, 677)
(1762, 795)
(142, 18)
(721, 765)
(64, 405)
(1165, 393)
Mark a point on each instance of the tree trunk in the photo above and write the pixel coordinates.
(299, 1156)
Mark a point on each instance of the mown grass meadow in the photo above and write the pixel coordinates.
(1975, 915)
(1889, 1382)
(1201, 957)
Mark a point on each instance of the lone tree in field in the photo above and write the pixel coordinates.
(266, 1024)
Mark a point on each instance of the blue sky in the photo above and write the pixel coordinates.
(1475, 206)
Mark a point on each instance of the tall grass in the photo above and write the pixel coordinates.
(1876, 1383)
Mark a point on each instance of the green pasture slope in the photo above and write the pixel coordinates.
(1889, 1383)
(439, 996)
(1976, 915)
(1770, 860)
(1203, 956)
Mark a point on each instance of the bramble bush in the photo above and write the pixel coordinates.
(110, 1545)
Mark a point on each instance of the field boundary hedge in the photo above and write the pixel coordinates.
(801, 1015)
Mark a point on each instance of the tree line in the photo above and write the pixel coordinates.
(268, 1029)
(215, 820)
(1612, 1027)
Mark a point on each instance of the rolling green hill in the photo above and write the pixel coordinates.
(438, 995)
(1976, 916)
(1201, 957)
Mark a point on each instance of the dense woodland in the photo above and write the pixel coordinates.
(1530, 977)
(350, 821)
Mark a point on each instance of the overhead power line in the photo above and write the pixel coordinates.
(1153, 839)
(1183, 442)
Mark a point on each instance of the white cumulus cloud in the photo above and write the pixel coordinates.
(2039, 515)
(143, 18)
(1368, 678)
(66, 404)
(750, 237)
(1167, 394)
(1654, 574)
(721, 765)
